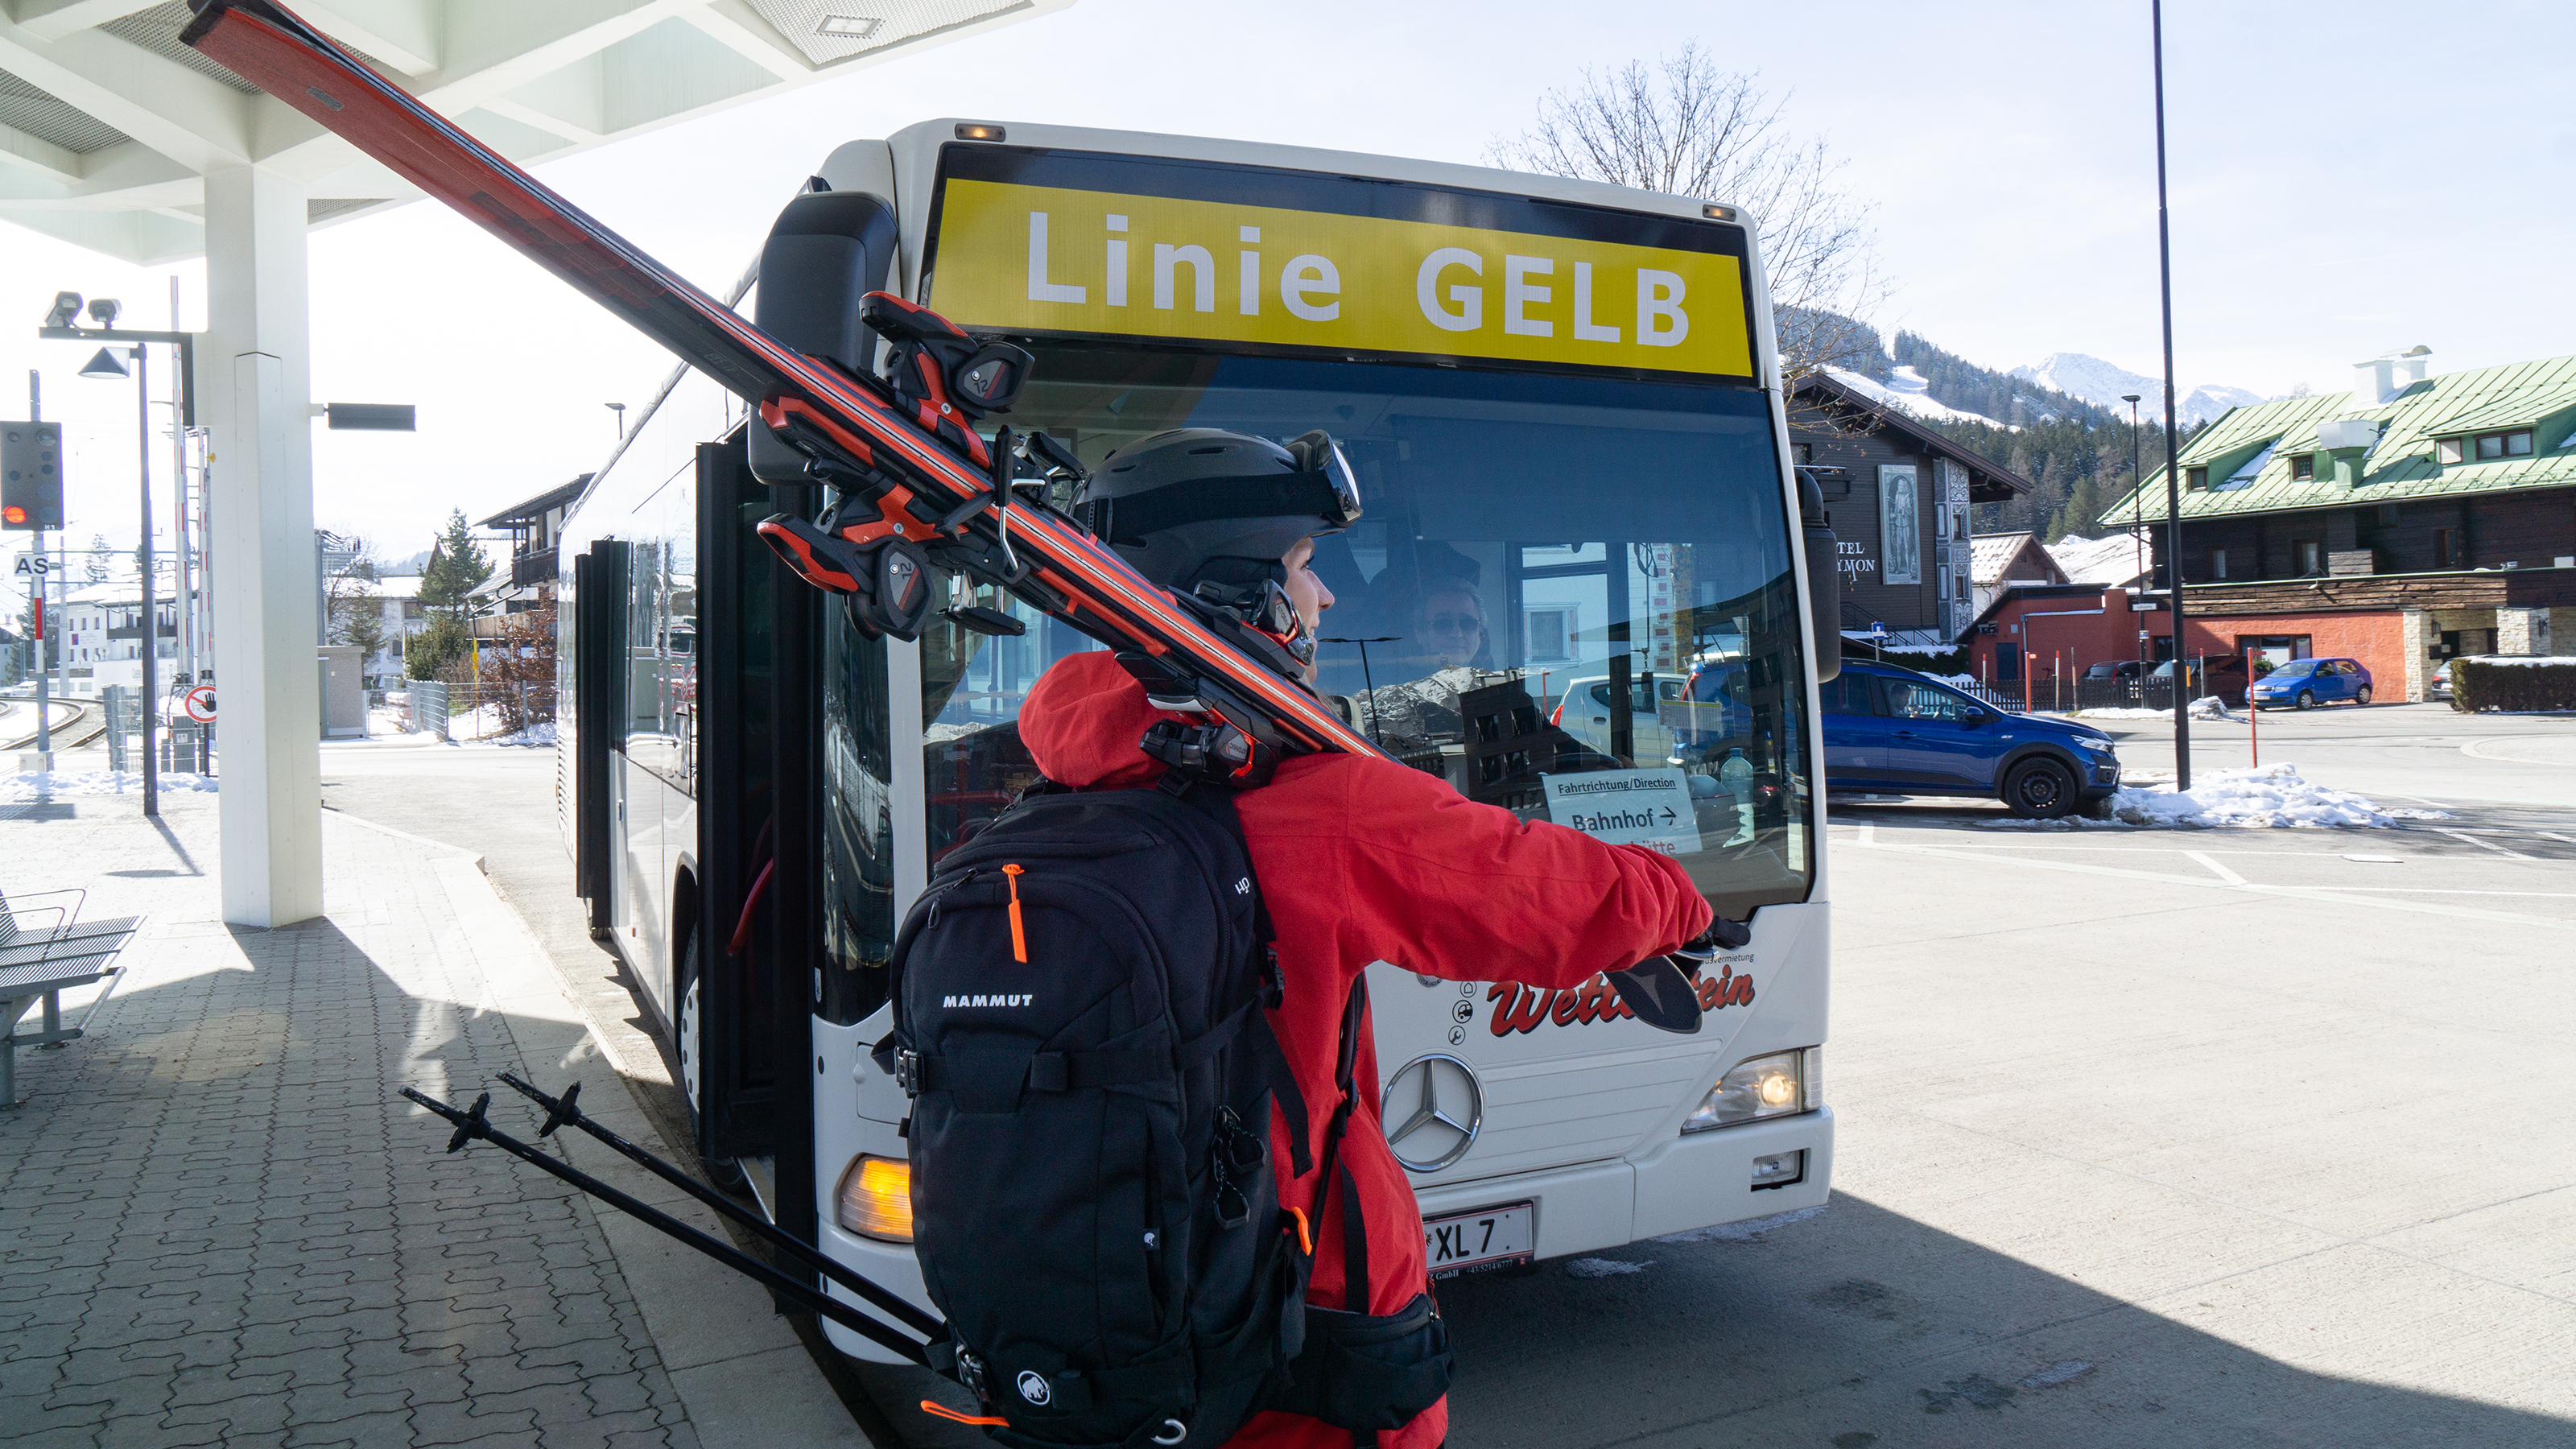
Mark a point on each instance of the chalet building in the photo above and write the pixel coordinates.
(1997, 561)
(2409, 519)
(1899, 495)
(99, 629)
(527, 582)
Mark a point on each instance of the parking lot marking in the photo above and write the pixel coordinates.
(2220, 871)
(2485, 844)
(2311, 893)
(2477, 750)
(2433, 891)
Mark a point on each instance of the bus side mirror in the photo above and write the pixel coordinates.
(826, 252)
(1824, 576)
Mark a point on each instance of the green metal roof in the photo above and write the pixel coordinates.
(2540, 395)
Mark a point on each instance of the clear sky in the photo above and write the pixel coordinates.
(2347, 178)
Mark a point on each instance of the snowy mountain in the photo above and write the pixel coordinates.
(1907, 389)
(2102, 384)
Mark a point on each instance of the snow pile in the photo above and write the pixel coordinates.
(1957, 681)
(2269, 797)
(540, 733)
(38, 784)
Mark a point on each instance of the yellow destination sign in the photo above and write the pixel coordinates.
(1044, 259)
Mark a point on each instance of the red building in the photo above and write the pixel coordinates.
(2051, 632)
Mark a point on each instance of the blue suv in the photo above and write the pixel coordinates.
(1893, 730)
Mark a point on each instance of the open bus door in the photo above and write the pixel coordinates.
(756, 947)
(599, 704)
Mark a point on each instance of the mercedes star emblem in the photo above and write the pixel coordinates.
(1436, 1107)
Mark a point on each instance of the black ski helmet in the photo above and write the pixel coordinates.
(1195, 506)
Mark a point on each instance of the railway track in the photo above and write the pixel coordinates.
(74, 725)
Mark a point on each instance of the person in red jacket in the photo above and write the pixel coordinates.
(1360, 859)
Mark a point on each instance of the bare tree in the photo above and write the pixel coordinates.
(1686, 128)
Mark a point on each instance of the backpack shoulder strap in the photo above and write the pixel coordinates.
(1217, 803)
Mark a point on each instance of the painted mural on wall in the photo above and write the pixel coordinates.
(1899, 524)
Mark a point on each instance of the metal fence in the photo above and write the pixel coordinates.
(2066, 694)
(184, 745)
(471, 711)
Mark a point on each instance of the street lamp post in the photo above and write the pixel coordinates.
(2137, 537)
(60, 326)
(2173, 483)
(106, 365)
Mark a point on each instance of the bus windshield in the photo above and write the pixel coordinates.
(1570, 595)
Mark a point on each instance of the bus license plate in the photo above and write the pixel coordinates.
(1474, 1242)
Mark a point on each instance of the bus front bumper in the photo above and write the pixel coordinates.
(1699, 1180)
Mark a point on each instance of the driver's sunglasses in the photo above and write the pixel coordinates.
(1454, 623)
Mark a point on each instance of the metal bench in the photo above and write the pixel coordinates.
(37, 966)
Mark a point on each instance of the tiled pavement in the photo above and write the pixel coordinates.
(218, 1225)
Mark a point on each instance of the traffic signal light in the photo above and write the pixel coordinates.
(31, 476)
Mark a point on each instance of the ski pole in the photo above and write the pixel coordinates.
(565, 1111)
(471, 1126)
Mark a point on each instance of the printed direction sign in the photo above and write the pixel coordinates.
(1651, 808)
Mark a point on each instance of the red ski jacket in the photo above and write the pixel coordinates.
(1360, 860)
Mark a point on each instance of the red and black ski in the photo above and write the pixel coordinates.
(1065, 570)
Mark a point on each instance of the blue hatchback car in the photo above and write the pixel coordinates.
(1893, 730)
(2307, 683)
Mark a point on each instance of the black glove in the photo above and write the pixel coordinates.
(1660, 995)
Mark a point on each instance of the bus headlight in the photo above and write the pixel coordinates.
(1779, 1085)
(876, 1199)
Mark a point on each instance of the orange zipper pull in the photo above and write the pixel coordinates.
(1019, 934)
(940, 1410)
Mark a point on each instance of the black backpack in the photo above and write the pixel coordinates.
(1077, 1009)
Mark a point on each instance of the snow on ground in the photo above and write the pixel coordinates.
(2266, 797)
(475, 723)
(1905, 389)
(36, 784)
(1604, 1267)
(2208, 706)
(389, 726)
(540, 733)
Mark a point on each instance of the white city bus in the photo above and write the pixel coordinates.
(1562, 400)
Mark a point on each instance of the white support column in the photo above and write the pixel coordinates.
(260, 487)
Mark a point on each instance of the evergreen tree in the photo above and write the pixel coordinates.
(95, 567)
(457, 567)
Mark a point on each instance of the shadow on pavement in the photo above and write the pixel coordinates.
(1864, 1329)
(219, 1219)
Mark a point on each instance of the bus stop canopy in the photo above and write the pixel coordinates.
(117, 137)
(108, 125)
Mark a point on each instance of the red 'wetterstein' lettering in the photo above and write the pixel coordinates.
(1522, 1010)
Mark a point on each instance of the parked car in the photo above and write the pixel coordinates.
(1584, 712)
(2307, 683)
(2219, 674)
(2113, 669)
(1893, 730)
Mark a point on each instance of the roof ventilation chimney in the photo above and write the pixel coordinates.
(2370, 381)
(2411, 364)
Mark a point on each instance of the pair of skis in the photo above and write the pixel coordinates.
(866, 444)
